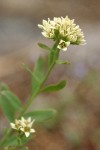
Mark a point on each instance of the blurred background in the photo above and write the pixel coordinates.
(77, 126)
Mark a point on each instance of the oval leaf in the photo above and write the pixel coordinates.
(62, 62)
(41, 115)
(55, 87)
(13, 99)
(10, 104)
(43, 46)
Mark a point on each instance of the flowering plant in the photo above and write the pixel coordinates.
(63, 32)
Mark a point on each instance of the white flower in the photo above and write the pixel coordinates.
(62, 28)
(23, 125)
(48, 32)
(16, 125)
(27, 126)
(63, 45)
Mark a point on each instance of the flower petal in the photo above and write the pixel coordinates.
(32, 130)
(27, 134)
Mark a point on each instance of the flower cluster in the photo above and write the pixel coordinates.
(23, 126)
(62, 30)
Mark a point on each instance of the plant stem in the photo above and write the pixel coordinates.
(55, 52)
(46, 76)
(37, 92)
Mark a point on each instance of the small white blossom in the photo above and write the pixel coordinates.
(16, 125)
(63, 45)
(23, 125)
(48, 31)
(27, 126)
(62, 29)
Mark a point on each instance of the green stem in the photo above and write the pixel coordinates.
(55, 53)
(47, 74)
(37, 92)
(19, 141)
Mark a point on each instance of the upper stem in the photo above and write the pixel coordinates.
(46, 76)
(37, 92)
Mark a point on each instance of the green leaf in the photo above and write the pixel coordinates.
(3, 87)
(38, 73)
(41, 115)
(28, 69)
(55, 87)
(12, 140)
(10, 104)
(13, 99)
(61, 62)
(43, 46)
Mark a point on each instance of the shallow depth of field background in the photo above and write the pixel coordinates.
(77, 126)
